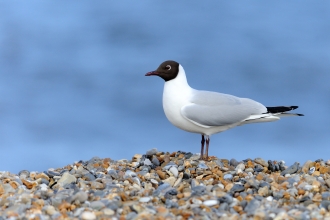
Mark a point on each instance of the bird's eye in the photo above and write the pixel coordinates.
(168, 67)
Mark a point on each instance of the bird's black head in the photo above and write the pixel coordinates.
(168, 70)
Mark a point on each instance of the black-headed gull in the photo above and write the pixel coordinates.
(207, 112)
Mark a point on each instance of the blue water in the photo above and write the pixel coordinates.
(72, 82)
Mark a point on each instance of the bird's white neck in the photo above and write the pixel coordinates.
(179, 82)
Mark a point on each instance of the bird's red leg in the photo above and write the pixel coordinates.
(202, 148)
(207, 147)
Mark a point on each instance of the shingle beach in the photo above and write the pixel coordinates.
(160, 185)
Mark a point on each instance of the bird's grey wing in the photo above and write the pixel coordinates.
(209, 109)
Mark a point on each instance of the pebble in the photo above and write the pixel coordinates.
(202, 165)
(174, 171)
(66, 178)
(169, 186)
(144, 199)
(211, 202)
(261, 161)
(252, 206)
(228, 176)
(87, 215)
(107, 211)
(290, 170)
(237, 188)
(155, 160)
(97, 205)
(80, 197)
(152, 152)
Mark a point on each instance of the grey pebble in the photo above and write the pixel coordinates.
(131, 215)
(162, 189)
(226, 199)
(23, 174)
(281, 165)
(198, 190)
(258, 168)
(233, 162)
(219, 163)
(271, 166)
(243, 203)
(237, 188)
(155, 161)
(181, 168)
(263, 184)
(52, 173)
(223, 207)
(88, 177)
(252, 206)
(188, 155)
(261, 162)
(326, 195)
(151, 152)
(202, 166)
(97, 205)
(252, 182)
(277, 167)
(171, 204)
(326, 204)
(304, 199)
(80, 196)
(113, 173)
(290, 170)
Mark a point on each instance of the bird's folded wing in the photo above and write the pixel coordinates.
(208, 109)
(208, 116)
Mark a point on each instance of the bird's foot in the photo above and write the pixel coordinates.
(204, 158)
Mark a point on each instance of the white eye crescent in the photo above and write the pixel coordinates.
(168, 67)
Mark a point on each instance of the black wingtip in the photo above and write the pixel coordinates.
(279, 109)
(300, 115)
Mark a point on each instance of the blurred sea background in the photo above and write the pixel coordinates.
(72, 82)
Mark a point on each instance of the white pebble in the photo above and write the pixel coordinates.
(238, 171)
(240, 166)
(272, 215)
(43, 187)
(144, 199)
(108, 211)
(88, 215)
(308, 187)
(196, 201)
(269, 198)
(221, 186)
(210, 202)
(153, 181)
(174, 171)
(311, 170)
(136, 180)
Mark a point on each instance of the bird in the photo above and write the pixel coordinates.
(207, 112)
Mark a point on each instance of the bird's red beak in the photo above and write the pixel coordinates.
(152, 73)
